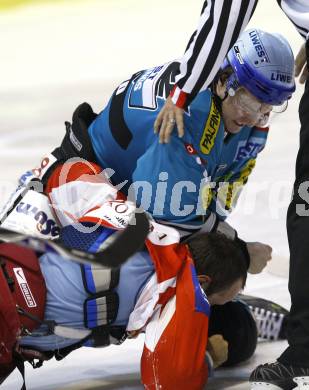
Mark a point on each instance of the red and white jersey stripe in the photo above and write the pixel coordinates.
(172, 308)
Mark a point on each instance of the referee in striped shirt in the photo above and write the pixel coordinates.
(220, 24)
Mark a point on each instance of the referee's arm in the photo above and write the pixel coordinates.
(298, 13)
(220, 24)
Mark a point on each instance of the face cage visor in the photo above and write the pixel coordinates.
(255, 110)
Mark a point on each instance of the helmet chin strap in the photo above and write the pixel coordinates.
(217, 99)
(226, 94)
(218, 102)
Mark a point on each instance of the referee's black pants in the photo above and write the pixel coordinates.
(297, 354)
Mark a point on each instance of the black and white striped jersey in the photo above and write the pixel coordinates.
(298, 12)
(220, 24)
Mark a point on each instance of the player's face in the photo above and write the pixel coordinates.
(227, 295)
(244, 109)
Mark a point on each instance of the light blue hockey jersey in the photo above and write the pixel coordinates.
(171, 181)
(66, 296)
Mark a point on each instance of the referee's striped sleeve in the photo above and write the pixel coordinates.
(298, 13)
(220, 24)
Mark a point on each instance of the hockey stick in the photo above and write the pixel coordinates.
(126, 243)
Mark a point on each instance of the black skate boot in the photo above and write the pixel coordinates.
(276, 375)
(271, 318)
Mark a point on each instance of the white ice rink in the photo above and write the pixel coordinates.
(54, 57)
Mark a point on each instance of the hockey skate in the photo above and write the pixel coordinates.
(271, 318)
(276, 375)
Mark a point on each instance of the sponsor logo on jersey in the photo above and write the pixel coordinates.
(248, 149)
(115, 213)
(24, 287)
(211, 129)
(45, 225)
(193, 152)
(147, 75)
(46, 163)
(190, 149)
(155, 71)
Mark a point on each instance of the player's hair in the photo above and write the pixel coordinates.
(223, 75)
(220, 258)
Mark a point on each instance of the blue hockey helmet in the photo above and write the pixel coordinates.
(263, 63)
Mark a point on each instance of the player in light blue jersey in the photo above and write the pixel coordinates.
(179, 182)
(224, 130)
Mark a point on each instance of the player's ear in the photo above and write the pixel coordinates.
(204, 280)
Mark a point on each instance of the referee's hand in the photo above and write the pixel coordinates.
(169, 117)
